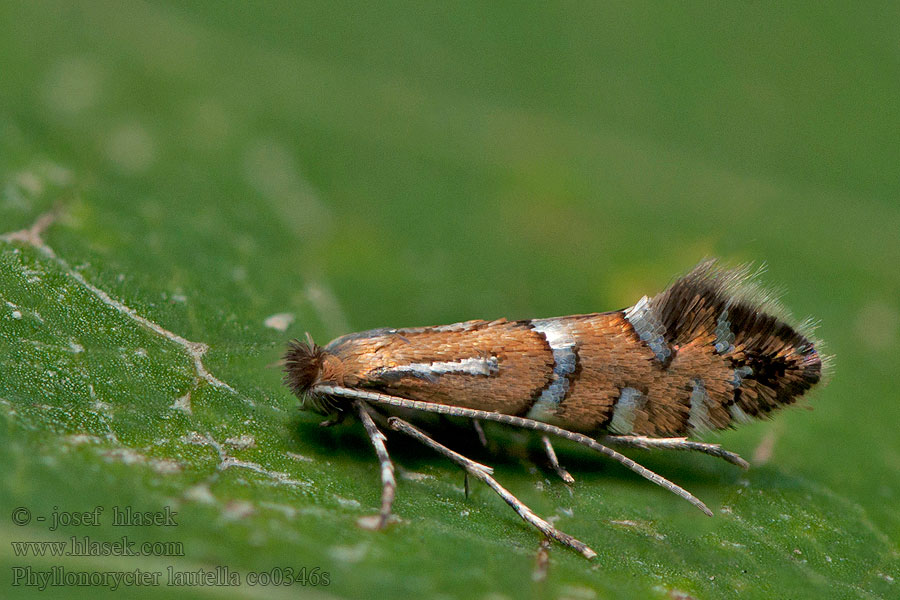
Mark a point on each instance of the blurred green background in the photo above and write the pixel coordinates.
(340, 167)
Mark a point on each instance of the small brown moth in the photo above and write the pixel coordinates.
(705, 354)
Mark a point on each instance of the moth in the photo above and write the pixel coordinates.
(708, 353)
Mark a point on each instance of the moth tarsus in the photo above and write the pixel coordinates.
(554, 461)
(708, 353)
(479, 431)
(541, 561)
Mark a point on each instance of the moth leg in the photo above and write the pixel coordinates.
(541, 561)
(334, 420)
(675, 443)
(483, 473)
(554, 462)
(388, 483)
(476, 425)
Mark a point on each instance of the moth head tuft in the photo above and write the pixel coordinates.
(302, 365)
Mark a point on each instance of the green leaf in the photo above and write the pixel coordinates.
(183, 188)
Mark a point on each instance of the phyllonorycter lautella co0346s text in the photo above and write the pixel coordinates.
(711, 351)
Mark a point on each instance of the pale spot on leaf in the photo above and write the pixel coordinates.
(279, 321)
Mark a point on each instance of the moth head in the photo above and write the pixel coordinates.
(305, 365)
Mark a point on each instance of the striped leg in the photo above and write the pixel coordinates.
(388, 483)
(676, 443)
(483, 473)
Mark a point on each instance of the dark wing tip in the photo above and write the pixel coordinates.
(751, 330)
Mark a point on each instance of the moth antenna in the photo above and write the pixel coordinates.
(514, 421)
(676, 443)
